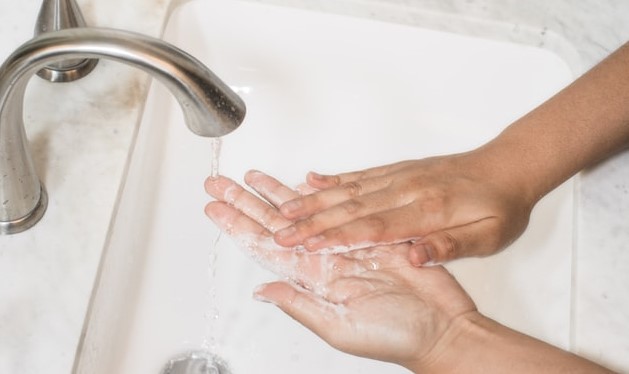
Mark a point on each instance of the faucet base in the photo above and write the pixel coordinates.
(62, 74)
(25, 223)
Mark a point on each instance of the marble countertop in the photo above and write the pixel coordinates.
(81, 135)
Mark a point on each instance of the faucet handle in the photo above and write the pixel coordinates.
(56, 15)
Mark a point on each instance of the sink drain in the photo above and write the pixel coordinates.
(196, 363)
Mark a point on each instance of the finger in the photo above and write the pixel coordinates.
(321, 181)
(340, 214)
(387, 227)
(225, 189)
(304, 189)
(250, 235)
(308, 205)
(475, 239)
(421, 254)
(222, 188)
(234, 222)
(380, 264)
(316, 314)
(270, 188)
(256, 240)
(378, 257)
(313, 271)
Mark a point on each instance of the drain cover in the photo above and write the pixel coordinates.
(196, 363)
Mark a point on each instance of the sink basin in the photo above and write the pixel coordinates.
(329, 93)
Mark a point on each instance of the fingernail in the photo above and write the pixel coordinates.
(252, 174)
(291, 206)
(316, 176)
(262, 299)
(286, 233)
(258, 296)
(432, 255)
(423, 255)
(313, 241)
(212, 184)
(430, 252)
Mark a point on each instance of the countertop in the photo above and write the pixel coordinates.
(81, 135)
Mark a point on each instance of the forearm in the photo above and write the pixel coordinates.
(581, 125)
(477, 344)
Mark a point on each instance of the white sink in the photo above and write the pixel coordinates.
(328, 93)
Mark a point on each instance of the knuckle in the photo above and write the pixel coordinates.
(447, 246)
(338, 235)
(307, 225)
(304, 205)
(352, 207)
(377, 226)
(313, 202)
(342, 236)
(267, 215)
(363, 174)
(352, 189)
(233, 194)
(336, 180)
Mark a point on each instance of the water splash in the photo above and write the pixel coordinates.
(215, 157)
(212, 315)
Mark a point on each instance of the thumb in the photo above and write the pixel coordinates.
(480, 238)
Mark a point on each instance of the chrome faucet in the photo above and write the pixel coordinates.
(210, 107)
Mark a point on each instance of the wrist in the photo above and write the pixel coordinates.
(474, 344)
(464, 333)
(512, 176)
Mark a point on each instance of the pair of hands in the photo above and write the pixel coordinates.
(376, 301)
(370, 302)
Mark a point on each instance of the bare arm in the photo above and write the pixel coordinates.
(581, 125)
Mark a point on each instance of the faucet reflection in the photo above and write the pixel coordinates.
(210, 107)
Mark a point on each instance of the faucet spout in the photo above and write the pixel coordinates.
(210, 107)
